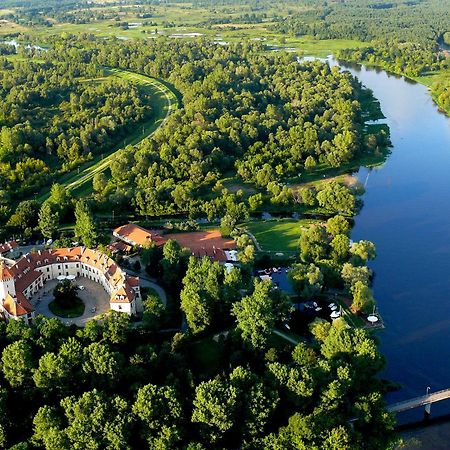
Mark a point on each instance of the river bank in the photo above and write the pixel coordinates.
(433, 437)
(405, 215)
(429, 79)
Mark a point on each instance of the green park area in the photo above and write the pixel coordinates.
(278, 235)
(66, 304)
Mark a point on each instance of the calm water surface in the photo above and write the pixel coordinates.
(407, 214)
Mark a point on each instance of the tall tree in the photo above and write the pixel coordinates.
(215, 405)
(85, 225)
(256, 315)
(17, 363)
(48, 220)
(160, 412)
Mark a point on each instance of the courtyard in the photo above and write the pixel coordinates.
(94, 297)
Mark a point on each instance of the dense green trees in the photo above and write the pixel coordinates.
(160, 411)
(262, 115)
(16, 363)
(48, 220)
(114, 386)
(365, 20)
(52, 119)
(257, 314)
(307, 280)
(410, 59)
(441, 93)
(201, 294)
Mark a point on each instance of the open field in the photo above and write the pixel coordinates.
(278, 235)
(218, 23)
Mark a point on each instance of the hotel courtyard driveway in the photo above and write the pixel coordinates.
(95, 299)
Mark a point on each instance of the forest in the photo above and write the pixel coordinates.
(409, 59)
(259, 116)
(423, 21)
(114, 386)
(56, 115)
(227, 381)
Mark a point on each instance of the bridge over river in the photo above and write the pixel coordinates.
(423, 400)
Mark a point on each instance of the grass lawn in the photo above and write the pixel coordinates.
(76, 310)
(278, 235)
(205, 355)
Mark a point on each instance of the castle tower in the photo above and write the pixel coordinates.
(7, 285)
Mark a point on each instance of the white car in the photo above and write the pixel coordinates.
(81, 288)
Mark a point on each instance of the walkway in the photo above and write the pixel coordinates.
(146, 281)
(420, 401)
(286, 337)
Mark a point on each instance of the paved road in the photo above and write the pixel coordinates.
(285, 336)
(146, 281)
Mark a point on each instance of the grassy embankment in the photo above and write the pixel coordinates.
(432, 78)
(428, 79)
(164, 101)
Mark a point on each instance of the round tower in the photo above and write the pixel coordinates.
(7, 284)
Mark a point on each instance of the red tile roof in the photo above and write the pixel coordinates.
(8, 246)
(137, 235)
(24, 273)
(5, 272)
(19, 307)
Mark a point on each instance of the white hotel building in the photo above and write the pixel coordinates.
(29, 274)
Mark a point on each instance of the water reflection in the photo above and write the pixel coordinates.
(406, 213)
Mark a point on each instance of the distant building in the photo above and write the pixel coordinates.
(137, 236)
(9, 247)
(201, 243)
(29, 274)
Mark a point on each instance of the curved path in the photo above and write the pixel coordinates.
(78, 180)
(145, 281)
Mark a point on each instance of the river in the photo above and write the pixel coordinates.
(406, 213)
